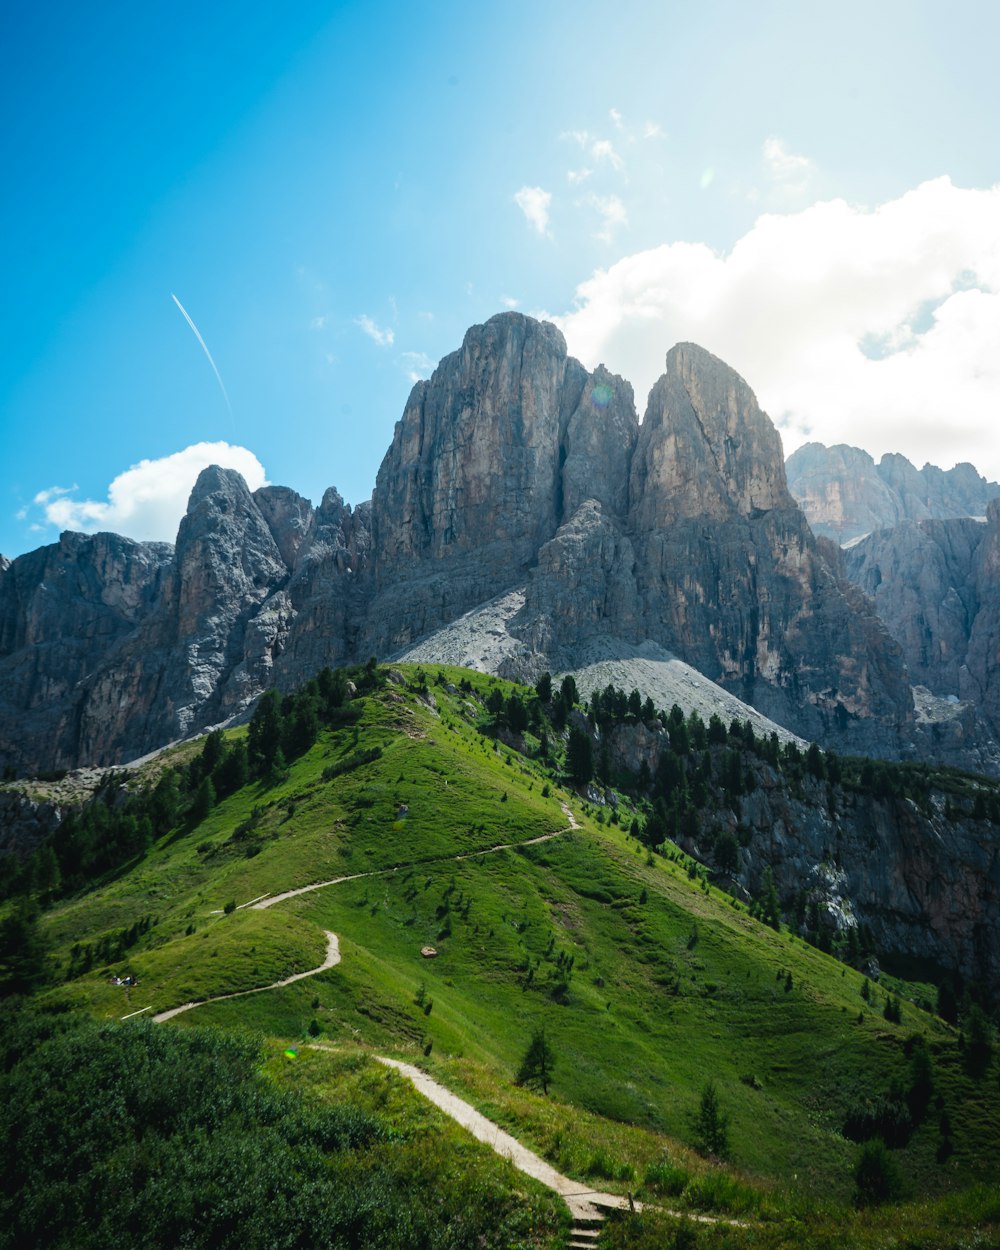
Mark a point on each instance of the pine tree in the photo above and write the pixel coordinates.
(580, 757)
(770, 904)
(203, 802)
(538, 1062)
(265, 733)
(711, 1124)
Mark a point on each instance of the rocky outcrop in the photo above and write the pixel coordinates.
(713, 561)
(24, 822)
(64, 609)
(326, 597)
(982, 670)
(923, 880)
(921, 876)
(470, 488)
(936, 585)
(845, 495)
(511, 470)
(205, 651)
(921, 577)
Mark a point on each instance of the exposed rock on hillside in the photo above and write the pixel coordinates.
(920, 880)
(470, 488)
(844, 494)
(63, 610)
(936, 585)
(511, 468)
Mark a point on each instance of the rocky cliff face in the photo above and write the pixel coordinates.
(109, 648)
(63, 610)
(845, 494)
(936, 585)
(470, 488)
(511, 469)
(713, 560)
(922, 877)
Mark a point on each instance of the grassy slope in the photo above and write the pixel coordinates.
(662, 995)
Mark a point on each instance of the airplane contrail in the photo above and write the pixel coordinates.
(204, 348)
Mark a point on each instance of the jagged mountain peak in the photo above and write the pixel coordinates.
(845, 494)
(511, 466)
(705, 447)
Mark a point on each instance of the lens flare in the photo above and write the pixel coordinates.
(600, 396)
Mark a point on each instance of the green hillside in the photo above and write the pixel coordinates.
(545, 912)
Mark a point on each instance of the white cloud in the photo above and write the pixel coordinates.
(52, 492)
(652, 130)
(877, 328)
(604, 150)
(575, 176)
(317, 323)
(147, 501)
(791, 173)
(616, 118)
(612, 213)
(417, 365)
(509, 301)
(534, 203)
(383, 337)
(600, 150)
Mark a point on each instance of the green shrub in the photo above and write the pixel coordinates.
(876, 1175)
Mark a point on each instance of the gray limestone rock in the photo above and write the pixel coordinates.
(731, 578)
(511, 468)
(598, 446)
(845, 495)
(63, 610)
(470, 488)
(936, 585)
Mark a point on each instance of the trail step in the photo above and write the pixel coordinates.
(583, 1235)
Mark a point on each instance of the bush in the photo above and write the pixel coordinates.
(876, 1175)
(667, 1180)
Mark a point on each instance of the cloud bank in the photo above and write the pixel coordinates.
(147, 501)
(878, 328)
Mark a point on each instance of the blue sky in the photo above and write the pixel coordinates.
(336, 192)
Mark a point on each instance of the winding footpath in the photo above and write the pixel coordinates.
(269, 900)
(263, 901)
(331, 961)
(586, 1205)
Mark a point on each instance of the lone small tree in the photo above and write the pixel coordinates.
(537, 1064)
(711, 1124)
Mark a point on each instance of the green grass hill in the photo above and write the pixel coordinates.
(424, 828)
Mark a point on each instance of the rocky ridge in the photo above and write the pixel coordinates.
(512, 468)
(936, 585)
(845, 494)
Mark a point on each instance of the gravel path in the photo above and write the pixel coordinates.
(333, 947)
(583, 1202)
(331, 960)
(265, 901)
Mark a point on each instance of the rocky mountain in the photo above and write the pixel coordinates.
(513, 471)
(936, 585)
(845, 494)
